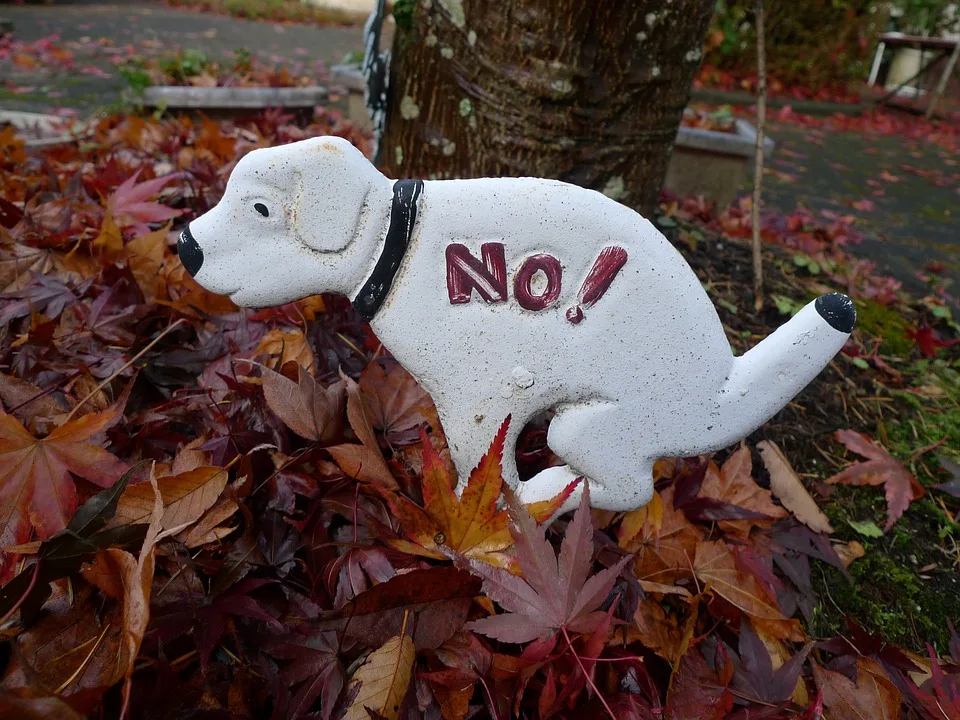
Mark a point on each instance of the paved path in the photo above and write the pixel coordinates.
(912, 188)
(911, 184)
(98, 36)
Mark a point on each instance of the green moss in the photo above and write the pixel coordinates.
(934, 420)
(881, 321)
(895, 592)
(403, 13)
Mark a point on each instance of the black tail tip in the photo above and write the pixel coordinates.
(838, 310)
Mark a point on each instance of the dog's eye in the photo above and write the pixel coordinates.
(262, 209)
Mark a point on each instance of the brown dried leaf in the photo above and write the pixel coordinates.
(394, 402)
(306, 407)
(734, 484)
(28, 402)
(186, 497)
(384, 679)
(290, 346)
(848, 552)
(665, 544)
(716, 567)
(210, 527)
(786, 486)
(872, 697)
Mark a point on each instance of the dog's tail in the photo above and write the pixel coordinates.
(771, 374)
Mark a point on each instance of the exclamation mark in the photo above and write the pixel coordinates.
(598, 280)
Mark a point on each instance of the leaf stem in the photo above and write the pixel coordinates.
(586, 675)
(127, 364)
(26, 594)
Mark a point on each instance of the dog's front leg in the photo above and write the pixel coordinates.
(469, 435)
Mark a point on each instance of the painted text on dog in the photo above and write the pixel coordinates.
(537, 284)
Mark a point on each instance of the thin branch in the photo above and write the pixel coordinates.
(758, 160)
(127, 364)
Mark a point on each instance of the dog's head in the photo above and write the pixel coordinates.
(295, 220)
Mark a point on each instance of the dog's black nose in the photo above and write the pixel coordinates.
(189, 251)
(838, 310)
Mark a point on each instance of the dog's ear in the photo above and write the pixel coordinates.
(330, 186)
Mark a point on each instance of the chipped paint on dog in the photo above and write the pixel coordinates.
(513, 296)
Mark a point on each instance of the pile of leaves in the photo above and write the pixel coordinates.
(718, 120)
(252, 514)
(194, 68)
(710, 77)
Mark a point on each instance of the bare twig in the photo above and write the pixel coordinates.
(758, 160)
(127, 364)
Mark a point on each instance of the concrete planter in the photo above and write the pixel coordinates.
(351, 77)
(232, 100)
(713, 164)
(40, 131)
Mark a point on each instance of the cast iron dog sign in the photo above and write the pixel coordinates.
(509, 297)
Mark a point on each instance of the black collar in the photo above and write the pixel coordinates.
(403, 218)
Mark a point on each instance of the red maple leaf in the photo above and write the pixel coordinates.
(554, 593)
(881, 468)
(131, 203)
(927, 340)
(36, 487)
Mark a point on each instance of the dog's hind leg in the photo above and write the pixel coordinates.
(597, 441)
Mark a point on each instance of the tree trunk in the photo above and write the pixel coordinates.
(589, 92)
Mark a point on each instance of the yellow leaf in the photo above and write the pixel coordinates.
(186, 497)
(384, 679)
(786, 486)
(145, 258)
(289, 346)
(110, 239)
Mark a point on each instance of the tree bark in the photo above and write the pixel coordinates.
(587, 92)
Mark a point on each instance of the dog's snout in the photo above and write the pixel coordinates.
(189, 251)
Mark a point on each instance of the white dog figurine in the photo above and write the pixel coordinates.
(509, 297)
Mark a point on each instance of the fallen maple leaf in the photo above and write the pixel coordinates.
(928, 342)
(872, 697)
(730, 495)
(306, 407)
(363, 462)
(289, 346)
(664, 543)
(186, 497)
(314, 666)
(36, 487)
(881, 468)
(131, 205)
(554, 593)
(470, 525)
(785, 484)
(394, 402)
(698, 691)
(716, 566)
(384, 679)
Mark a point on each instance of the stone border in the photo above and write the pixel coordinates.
(232, 98)
(742, 143)
(808, 107)
(40, 130)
